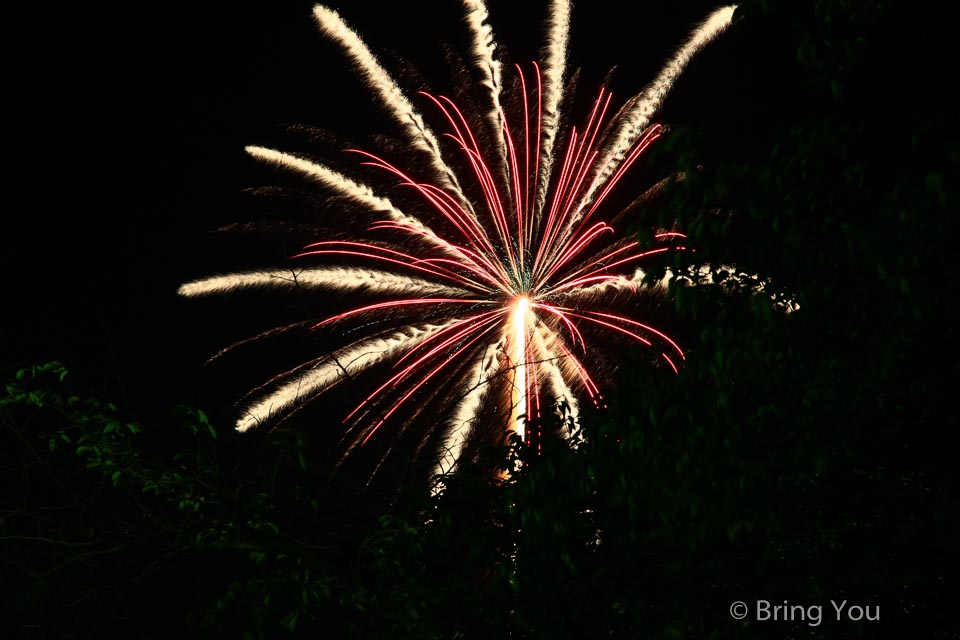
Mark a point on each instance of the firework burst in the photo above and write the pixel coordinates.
(493, 272)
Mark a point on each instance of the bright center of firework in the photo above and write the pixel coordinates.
(518, 365)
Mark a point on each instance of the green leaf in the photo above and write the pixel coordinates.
(904, 286)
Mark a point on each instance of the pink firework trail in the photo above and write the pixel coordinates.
(498, 277)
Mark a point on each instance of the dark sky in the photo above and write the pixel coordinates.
(129, 139)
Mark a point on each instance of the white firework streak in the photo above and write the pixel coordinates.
(347, 279)
(335, 181)
(620, 283)
(484, 57)
(391, 96)
(636, 119)
(702, 274)
(554, 70)
(341, 365)
(562, 361)
(361, 194)
(463, 419)
(562, 392)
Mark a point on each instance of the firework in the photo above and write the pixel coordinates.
(493, 271)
